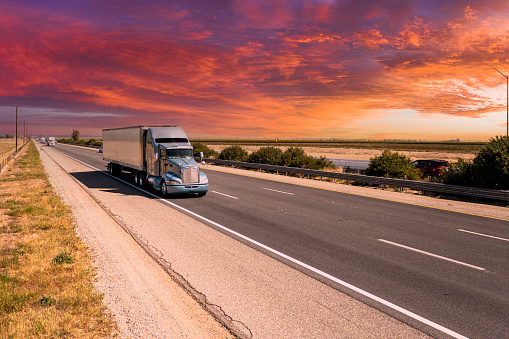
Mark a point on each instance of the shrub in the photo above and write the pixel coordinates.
(199, 147)
(234, 153)
(393, 165)
(295, 157)
(489, 169)
(267, 155)
(319, 163)
(460, 173)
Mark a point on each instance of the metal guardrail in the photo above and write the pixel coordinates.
(366, 179)
(11, 156)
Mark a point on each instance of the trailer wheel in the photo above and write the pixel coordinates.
(164, 189)
(137, 178)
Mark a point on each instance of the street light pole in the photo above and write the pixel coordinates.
(507, 105)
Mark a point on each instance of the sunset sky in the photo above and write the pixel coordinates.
(344, 69)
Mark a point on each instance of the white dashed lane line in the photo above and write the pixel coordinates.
(432, 255)
(268, 189)
(226, 195)
(484, 235)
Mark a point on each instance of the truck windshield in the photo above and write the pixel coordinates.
(179, 153)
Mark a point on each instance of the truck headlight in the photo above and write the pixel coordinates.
(204, 180)
(173, 182)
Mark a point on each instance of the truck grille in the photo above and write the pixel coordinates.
(190, 174)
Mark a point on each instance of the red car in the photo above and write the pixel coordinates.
(430, 168)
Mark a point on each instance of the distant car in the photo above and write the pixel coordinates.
(100, 149)
(431, 168)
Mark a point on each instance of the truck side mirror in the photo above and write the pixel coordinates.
(201, 156)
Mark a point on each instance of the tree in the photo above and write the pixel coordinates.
(393, 165)
(75, 135)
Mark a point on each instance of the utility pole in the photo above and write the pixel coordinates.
(507, 105)
(24, 131)
(16, 135)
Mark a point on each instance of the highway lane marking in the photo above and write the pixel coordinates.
(291, 259)
(483, 235)
(432, 255)
(226, 195)
(268, 189)
(360, 195)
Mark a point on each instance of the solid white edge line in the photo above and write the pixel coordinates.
(432, 255)
(226, 195)
(295, 261)
(268, 189)
(483, 235)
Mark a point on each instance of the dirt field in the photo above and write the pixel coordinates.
(7, 146)
(362, 154)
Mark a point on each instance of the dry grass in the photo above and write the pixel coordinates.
(46, 277)
(7, 146)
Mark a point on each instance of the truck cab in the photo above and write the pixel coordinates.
(169, 157)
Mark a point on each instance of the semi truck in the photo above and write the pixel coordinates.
(157, 156)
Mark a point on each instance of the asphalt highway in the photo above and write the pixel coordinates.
(445, 273)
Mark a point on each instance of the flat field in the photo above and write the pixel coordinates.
(358, 150)
(7, 146)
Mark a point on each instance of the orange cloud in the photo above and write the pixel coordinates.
(269, 70)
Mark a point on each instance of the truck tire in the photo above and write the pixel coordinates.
(141, 179)
(164, 190)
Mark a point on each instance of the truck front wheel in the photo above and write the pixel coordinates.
(164, 189)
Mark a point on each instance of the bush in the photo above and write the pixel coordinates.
(489, 169)
(295, 157)
(199, 147)
(233, 153)
(393, 165)
(267, 155)
(319, 163)
(460, 173)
